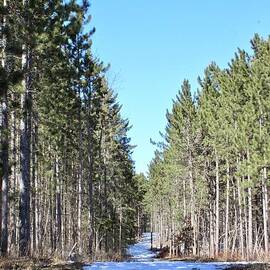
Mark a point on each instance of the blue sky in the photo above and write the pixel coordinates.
(153, 45)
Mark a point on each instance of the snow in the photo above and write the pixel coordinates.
(157, 265)
(143, 258)
(141, 251)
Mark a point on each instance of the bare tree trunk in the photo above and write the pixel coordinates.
(250, 225)
(250, 236)
(235, 224)
(58, 207)
(80, 176)
(24, 209)
(211, 232)
(120, 231)
(138, 223)
(184, 198)
(241, 235)
(5, 159)
(161, 231)
(192, 203)
(90, 192)
(13, 186)
(246, 226)
(51, 218)
(265, 210)
(5, 176)
(34, 194)
(217, 207)
(227, 208)
(37, 204)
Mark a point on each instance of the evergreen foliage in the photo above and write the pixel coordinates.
(209, 183)
(67, 175)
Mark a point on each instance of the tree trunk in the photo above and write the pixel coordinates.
(90, 192)
(184, 198)
(80, 173)
(265, 210)
(250, 236)
(5, 159)
(217, 207)
(58, 207)
(120, 231)
(192, 204)
(24, 209)
(138, 223)
(250, 225)
(13, 187)
(5, 175)
(211, 233)
(34, 194)
(241, 235)
(227, 208)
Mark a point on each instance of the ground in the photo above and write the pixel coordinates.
(143, 258)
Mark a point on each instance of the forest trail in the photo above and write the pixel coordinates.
(143, 258)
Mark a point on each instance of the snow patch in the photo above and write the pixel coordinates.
(141, 251)
(143, 258)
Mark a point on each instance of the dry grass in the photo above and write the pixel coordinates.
(110, 256)
(37, 263)
(22, 263)
(222, 257)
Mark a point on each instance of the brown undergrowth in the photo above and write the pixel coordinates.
(37, 263)
(56, 262)
(164, 253)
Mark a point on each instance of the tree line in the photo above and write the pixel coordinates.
(208, 189)
(67, 176)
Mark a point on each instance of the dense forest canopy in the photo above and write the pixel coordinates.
(209, 180)
(67, 176)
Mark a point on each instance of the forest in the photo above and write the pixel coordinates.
(208, 189)
(67, 176)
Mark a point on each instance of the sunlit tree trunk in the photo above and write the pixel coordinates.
(265, 210)
(227, 207)
(250, 223)
(241, 236)
(217, 206)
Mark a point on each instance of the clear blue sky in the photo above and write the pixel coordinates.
(152, 45)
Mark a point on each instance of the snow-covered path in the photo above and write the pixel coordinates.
(142, 258)
(141, 250)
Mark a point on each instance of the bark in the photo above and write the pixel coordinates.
(25, 144)
(265, 210)
(217, 207)
(24, 209)
(58, 208)
(13, 186)
(5, 176)
(120, 230)
(80, 176)
(184, 198)
(241, 234)
(5, 160)
(227, 207)
(246, 225)
(250, 224)
(235, 224)
(138, 223)
(192, 202)
(34, 195)
(211, 233)
(90, 191)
